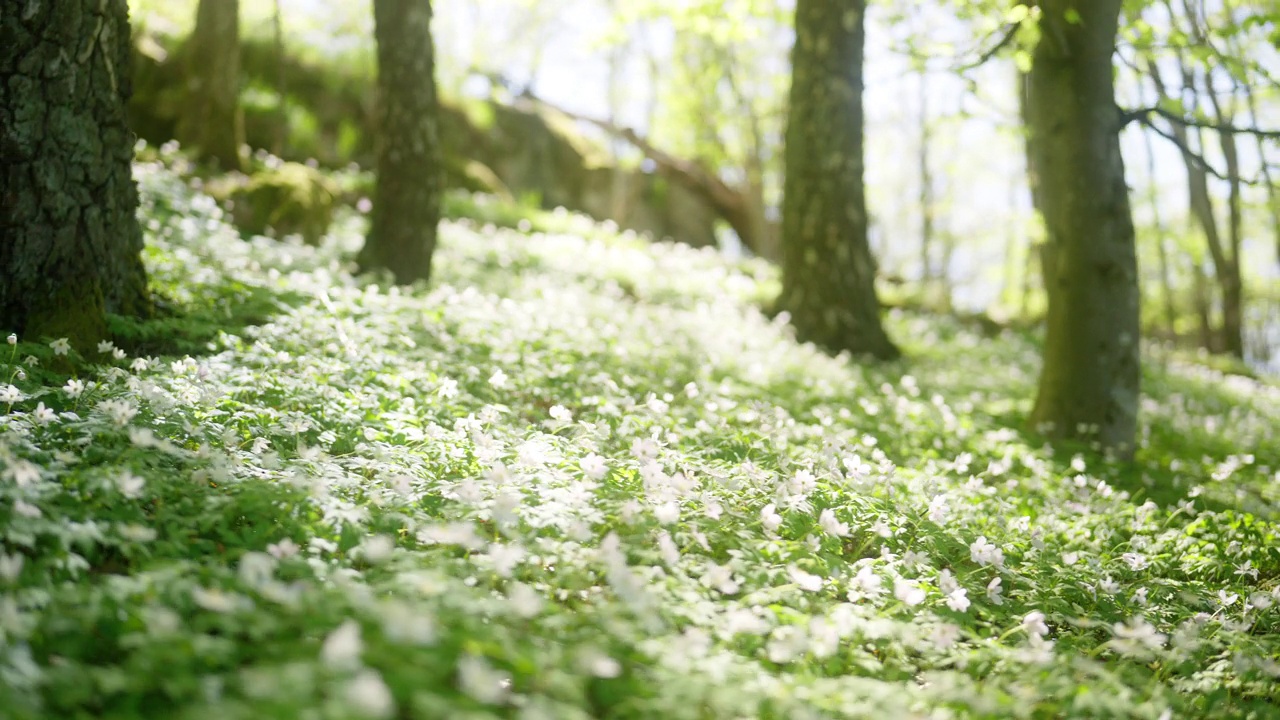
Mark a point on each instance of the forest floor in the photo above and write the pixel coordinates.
(583, 476)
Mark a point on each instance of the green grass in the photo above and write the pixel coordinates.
(581, 476)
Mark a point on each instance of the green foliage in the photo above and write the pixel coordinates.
(586, 477)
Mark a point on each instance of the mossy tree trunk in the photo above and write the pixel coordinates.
(70, 243)
(1089, 385)
(406, 198)
(213, 126)
(828, 273)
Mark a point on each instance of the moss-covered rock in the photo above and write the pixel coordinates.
(291, 199)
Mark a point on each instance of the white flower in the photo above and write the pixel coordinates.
(803, 483)
(13, 339)
(23, 473)
(119, 411)
(286, 548)
(721, 578)
(667, 512)
(505, 558)
(481, 681)
(118, 354)
(43, 415)
(10, 394)
(939, 507)
(593, 466)
(1108, 586)
(831, 525)
(560, 413)
(130, 485)
(995, 592)
(667, 547)
(908, 592)
(106, 346)
(61, 346)
(1137, 638)
(947, 582)
(343, 646)
(377, 549)
(525, 601)
(958, 600)
(984, 553)
(73, 388)
(596, 663)
(769, 518)
(786, 643)
(256, 569)
(1135, 560)
(1227, 599)
(498, 379)
(806, 581)
(1034, 624)
(866, 584)
(214, 600)
(369, 696)
(404, 623)
(1070, 558)
(10, 566)
(139, 365)
(137, 533)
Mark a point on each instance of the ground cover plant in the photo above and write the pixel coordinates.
(588, 477)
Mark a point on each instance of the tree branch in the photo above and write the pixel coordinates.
(1144, 115)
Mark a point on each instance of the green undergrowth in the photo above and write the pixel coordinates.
(582, 476)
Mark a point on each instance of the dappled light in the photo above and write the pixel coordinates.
(408, 379)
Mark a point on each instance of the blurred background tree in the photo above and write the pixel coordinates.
(669, 117)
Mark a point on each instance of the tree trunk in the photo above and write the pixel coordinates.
(1225, 265)
(828, 274)
(406, 198)
(1089, 385)
(213, 128)
(1232, 279)
(926, 188)
(71, 248)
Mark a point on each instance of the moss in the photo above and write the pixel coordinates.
(475, 176)
(291, 199)
(77, 312)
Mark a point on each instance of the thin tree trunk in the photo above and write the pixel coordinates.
(71, 248)
(1166, 282)
(828, 273)
(212, 127)
(926, 187)
(406, 202)
(1273, 191)
(1089, 386)
(1233, 297)
(282, 85)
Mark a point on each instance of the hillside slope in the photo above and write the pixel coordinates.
(586, 477)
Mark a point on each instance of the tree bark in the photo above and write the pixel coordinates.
(828, 273)
(71, 248)
(1089, 386)
(406, 198)
(213, 127)
(1233, 294)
